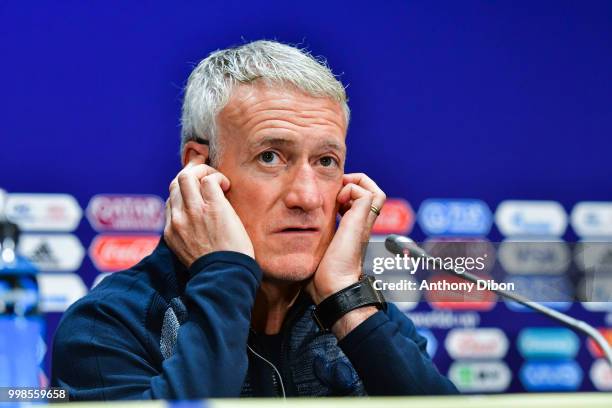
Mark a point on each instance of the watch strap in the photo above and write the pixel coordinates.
(359, 294)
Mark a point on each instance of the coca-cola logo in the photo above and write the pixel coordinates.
(476, 343)
(126, 213)
(113, 253)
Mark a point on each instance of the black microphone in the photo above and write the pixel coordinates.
(397, 244)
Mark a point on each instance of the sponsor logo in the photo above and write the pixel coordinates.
(454, 217)
(396, 217)
(126, 213)
(595, 292)
(593, 257)
(482, 343)
(490, 376)
(547, 343)
(592, 219)
(526, 218)
(601, 375)
(53, 252)
(432, 342)
(59, 290)
(556, 292)
(113, 252)
(594, 348)
(533, 257)
(44, 212)
(480, 300)
(551, 376)
(443, 319)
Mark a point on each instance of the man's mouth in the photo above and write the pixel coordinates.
(298, 230)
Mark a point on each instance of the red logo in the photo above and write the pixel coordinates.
(396, 217)
(453, 295)
(126, 213)
(594, 348)
(114, 253)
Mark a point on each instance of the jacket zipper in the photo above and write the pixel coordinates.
(275, 384)
(276, 381)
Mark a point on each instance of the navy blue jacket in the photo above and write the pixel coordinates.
(162, 331)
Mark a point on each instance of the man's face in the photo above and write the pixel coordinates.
(284, 154)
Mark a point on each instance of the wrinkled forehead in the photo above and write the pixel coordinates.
(258, 112)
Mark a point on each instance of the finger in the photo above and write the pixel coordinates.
(175, 201)
(189, 183)
(345, 207)
(358, 198)
(195, 161)
(213, 186)
(366, 182)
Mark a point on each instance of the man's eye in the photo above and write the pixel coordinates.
(268, 157)
(327, 161)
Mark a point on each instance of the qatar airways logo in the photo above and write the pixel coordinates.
(126, 213)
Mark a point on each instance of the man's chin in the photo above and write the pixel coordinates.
(289, 268)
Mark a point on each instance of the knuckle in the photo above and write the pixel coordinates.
(176, 223)
(183, 177)
(210, 179)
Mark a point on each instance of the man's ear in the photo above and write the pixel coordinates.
(194, 151)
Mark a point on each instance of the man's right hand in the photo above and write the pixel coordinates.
(199, 218)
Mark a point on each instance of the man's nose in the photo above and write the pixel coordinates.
(303, 190)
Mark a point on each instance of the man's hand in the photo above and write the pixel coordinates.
(341, 264)
(199, 218)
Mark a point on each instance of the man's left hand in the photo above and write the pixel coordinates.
(342, 263)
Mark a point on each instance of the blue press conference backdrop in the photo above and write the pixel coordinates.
(476, 99)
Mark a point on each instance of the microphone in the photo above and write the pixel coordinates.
(397, 244)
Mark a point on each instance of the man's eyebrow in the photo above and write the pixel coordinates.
(334, 146)
(282, 141)
(272, 141)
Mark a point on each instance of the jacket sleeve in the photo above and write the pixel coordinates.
(390, 357)
(100, 355)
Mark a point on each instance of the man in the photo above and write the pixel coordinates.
(224, 305)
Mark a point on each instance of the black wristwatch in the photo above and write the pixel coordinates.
(360, 294)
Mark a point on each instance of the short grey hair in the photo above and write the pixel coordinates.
(210, 84)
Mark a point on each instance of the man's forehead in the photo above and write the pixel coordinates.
(250, 99)
(264, 114)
